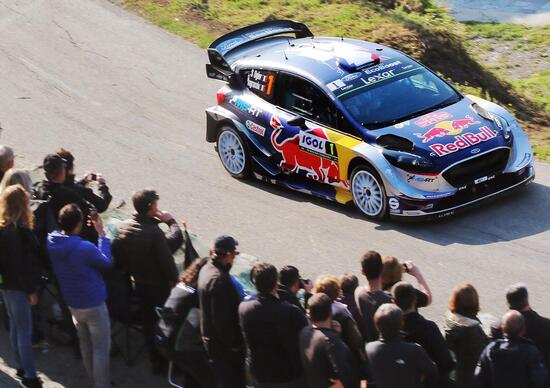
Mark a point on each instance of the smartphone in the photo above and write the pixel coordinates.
(405, 268)
(93, 177)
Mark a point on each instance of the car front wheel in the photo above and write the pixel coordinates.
(233, 152)
(368, 193)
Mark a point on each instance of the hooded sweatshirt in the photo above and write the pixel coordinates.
(78, 265)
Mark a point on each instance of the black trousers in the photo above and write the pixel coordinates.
(150, 297)
(228, 364)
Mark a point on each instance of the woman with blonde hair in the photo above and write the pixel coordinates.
(20, 276)
(15, 176)
(464, 334)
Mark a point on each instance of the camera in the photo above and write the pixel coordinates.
(304, 282)
(93, 177)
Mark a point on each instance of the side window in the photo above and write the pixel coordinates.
(260, 82)
(304, 98)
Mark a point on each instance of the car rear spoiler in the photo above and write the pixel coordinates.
(219, 68)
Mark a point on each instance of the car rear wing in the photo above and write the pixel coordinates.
(219, 68)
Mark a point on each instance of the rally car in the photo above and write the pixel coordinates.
(354, 121)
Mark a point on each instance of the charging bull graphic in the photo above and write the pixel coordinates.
(446, 128)
(308, 150)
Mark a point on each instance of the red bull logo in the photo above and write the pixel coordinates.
(446, 128)
(464, 141)
(308, 150)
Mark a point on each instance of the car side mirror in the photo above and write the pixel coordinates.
(297, 121)
(235, 81)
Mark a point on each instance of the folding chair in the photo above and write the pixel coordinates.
(158, 310)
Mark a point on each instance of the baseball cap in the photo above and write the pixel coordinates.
(225, 244)
(52, 163)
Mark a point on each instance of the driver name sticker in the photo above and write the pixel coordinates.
(318, 146)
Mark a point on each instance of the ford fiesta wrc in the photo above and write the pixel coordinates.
(353, 121)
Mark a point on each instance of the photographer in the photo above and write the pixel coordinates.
(392, 273)
(290, 283)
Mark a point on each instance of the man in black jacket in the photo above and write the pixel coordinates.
(537, 328)
(219, 305)
(512, 362)
(55, 196)
(100, 201)
(395, 363)
(417, 329)
(290, 283)
(145, 252)
(327, 360)
(271, 329)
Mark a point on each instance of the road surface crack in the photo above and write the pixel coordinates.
(74, 42)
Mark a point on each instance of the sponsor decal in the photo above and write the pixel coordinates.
(318, 146)
(335, 85)
(378, 77)
(275, 123)
(475, 151)
(432, 118)
(446, 214)
(351, 77)
(245, 106)
(393, 203)
(464, 141)
(446, 128)
(484, 179)
(412, 212)
(380, 67)
(256, 128)
(304, 152)
(420, 178)
(229, 44)
(402, 125)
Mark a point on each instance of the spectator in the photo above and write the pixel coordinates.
(99, 201)
(370, 296)
(145, 252)
(16, 177)
(290, 283)
(219, 304)
(20, 277)
(464, 334)
(392, 273)
(78, 266)
(327, 360)
(397, 364)
(537, 328)
(271, 328)
(417, 329)
(330, 286)
(348, 284)
(178, 330)
(7, 159)
(54, 195)
(512, 362)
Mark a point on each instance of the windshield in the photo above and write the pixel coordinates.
(398, 98)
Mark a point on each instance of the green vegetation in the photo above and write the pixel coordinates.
(473, 56)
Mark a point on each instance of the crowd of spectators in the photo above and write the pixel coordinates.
(289, 332)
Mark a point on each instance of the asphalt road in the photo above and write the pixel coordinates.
(128, 99)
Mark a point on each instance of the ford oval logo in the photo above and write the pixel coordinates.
(475, 151)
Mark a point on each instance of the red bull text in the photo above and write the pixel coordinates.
(464, 141)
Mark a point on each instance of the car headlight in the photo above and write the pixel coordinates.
(407, 161)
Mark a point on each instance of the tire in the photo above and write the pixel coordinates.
(368, 192)
(233, 152)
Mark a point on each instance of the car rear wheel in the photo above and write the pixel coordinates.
(233, 152)
(368, 193)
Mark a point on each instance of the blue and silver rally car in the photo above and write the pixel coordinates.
(349, 120)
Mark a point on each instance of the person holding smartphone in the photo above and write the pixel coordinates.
(145, 252)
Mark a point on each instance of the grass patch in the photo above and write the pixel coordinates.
(524, 37)
(537, 88)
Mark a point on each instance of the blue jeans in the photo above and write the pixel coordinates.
(20, 318)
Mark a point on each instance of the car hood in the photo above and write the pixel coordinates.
(449, 134)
